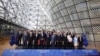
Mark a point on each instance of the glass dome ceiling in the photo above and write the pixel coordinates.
(26, 13)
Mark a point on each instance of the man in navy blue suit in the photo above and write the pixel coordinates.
(25, 39)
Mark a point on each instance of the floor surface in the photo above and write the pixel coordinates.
(4, 44)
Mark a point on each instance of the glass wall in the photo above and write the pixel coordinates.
(76, 16)
(6, 28)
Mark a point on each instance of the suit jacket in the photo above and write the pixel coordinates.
(53, 38)
(25, 38)
(80, 40)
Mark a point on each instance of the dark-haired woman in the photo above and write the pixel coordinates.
(70, 41)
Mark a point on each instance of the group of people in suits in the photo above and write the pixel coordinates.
(49, 39)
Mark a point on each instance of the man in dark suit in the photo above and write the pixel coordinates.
(65, 41)
(31, 37)
(58, 40)
(19, 37)
(41, 39)
(36, 40)
(34, 37)
(80, 41)
(48, 39)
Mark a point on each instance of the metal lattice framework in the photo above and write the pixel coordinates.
(76, 16)
(26, 13)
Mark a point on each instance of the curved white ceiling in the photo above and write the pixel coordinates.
(26, 13)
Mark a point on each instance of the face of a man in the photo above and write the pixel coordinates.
(20, 32)
(30, 32)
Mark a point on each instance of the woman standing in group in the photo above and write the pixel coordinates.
(75, 42)
(70, 40)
